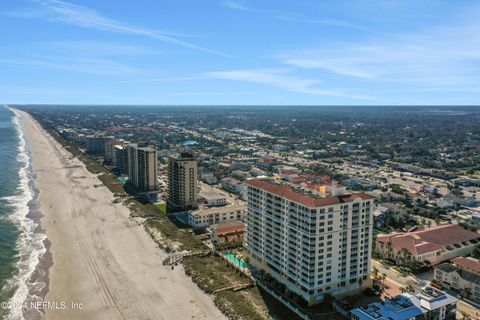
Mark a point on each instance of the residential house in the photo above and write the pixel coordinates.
(462, 274)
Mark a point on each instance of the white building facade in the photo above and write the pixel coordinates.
(313, 244)
(204, 218)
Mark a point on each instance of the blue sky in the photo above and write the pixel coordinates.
(357, 52)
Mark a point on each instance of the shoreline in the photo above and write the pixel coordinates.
(30, 281)
(97, 257)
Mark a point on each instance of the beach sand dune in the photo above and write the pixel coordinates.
(105, 266)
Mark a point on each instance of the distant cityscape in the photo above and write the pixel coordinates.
(324, 211)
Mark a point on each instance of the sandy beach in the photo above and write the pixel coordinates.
(105, 266)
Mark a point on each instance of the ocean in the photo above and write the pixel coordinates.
(22, 241)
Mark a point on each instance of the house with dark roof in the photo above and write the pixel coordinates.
(462, 274)
(431, 245)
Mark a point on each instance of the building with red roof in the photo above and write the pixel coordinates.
(228, 232)
(431, 245)
(462, 275)
(314, 241)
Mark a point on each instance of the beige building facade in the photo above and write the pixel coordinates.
(182, 181)
(142, 167)
(312, 243)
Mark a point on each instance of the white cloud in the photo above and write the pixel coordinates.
(101, 48)
(289, 17)
(328, 22)
(81, 16)
(281, 78)
(439, 57)
(234, 5)
(91, 66)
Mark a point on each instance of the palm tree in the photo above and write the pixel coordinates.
(427, 263)
(384, 276)
(410, 289)
(465, 315)
(467, 292)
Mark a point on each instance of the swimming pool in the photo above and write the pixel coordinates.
(239, 262)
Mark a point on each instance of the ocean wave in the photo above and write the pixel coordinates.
(30, 243)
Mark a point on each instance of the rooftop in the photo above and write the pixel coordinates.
(212, 195)
(431, 298)
(463, 267)
(228, 227)
(218, 210)
(468, 264)
(397, 308)
(429, 239)
(305, 196)
(406, 306)
(184, 155)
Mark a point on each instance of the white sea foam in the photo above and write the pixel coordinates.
(30, 244)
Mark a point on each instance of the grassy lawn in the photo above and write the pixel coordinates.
(246, 305)
(187, 239)
(387, 263)
(213, 272)
(112, 183)
(162, 207)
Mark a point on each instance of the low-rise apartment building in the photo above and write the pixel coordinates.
(203, 218)
(233, 185)
(462, 274)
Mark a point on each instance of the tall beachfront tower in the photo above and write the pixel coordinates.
(142, 166)
(110, 145)
(313, 241)
(95, 144)
(182, 181)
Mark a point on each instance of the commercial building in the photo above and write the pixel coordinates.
(95, 144)
(431, 245)
(182, 181)
(204, 218)
(462, 275)
(428, 304)
(110, 150)
(142, 167)
(313, 242)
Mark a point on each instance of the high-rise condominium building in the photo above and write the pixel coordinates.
(121, 158)
(95, 144)
(110, 150)
(182, 181)
(314, 242)
(142, 166)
